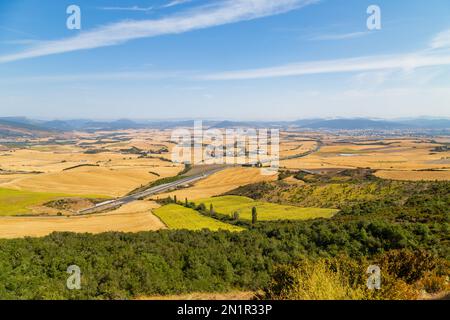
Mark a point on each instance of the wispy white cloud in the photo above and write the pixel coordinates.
(108, 76)
(8, 29)
(220, 13)
(133, 8)
(429, 57)
(30, 40)
(175, 3)
(372, 63)
(369, 70)
(21, 42)
(441, 40)
(392, 78)
(374, 78)
(341, 36)
(146, 9)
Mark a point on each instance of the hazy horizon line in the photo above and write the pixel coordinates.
(291, 119)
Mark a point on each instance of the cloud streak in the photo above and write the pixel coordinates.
(221, 13)
(21, 42)
(134, 8)
(430, 57)
(441, 40)
(373, 63)
(176, 3)
(108, 76)
(342, 36)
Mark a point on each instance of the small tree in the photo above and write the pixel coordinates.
(175, 199)
(211, 209)
(186, 202)
(236, 215)
(201, 207)
(254, 215)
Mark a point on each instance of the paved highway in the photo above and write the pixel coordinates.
(146, 193)
(111, 204)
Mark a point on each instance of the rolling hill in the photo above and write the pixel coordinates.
(21, 126)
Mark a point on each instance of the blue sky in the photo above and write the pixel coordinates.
(234, 59)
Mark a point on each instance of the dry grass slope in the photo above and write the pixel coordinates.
(221, 182)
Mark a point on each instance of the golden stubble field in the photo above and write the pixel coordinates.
(132, 217)
(111, 164)
(399, 159)
(105, 164)
(113, 171)
(221, 182)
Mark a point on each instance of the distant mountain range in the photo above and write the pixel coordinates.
(18, 127)
(22, 126)
(356, 124)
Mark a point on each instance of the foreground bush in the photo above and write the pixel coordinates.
(405, 275)
(311, 280)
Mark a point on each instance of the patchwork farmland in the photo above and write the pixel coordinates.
(333, 194)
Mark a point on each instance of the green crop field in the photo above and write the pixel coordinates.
(16, 202)
(266, 211)
(179, 217)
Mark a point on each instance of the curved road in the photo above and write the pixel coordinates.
(112, 204)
